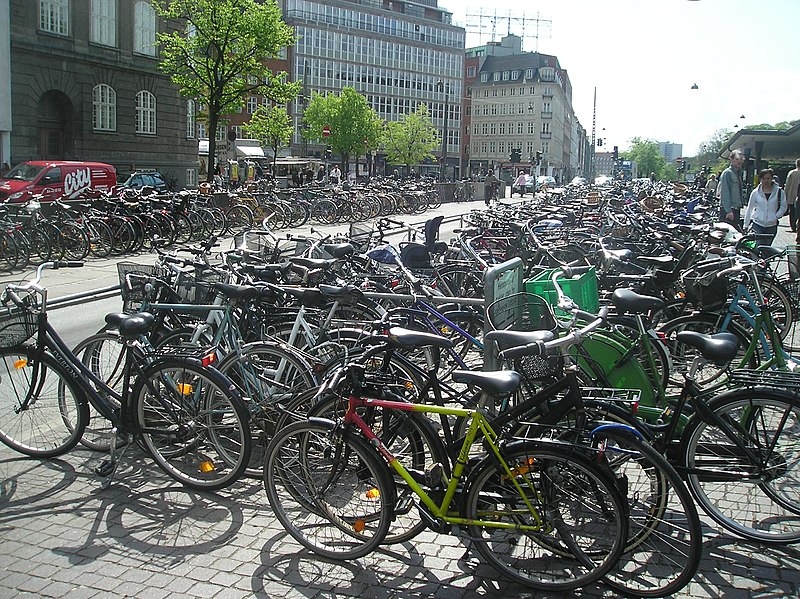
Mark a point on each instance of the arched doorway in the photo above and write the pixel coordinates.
(55, 125)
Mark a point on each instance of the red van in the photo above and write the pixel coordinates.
(61, 179)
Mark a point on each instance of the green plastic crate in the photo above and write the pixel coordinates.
(582, 289)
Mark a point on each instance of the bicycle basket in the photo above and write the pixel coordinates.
(705, 290)
(360, 233)
(198, 289)
(17, 325)
(132, 280)
(526, 312)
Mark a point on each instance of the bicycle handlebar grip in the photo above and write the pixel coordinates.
(575, 271)
(67, 264)
(12, 295)
(531, 349)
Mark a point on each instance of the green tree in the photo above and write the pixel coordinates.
(648, 158)
(355, 127)
(412, 139)
(221, 55)
(272, 126)
(709, 150)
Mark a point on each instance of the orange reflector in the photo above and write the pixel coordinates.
(373, 494)
(359, 526)
(409, 385)
(21, 363)
(207, 467)
(185, 388)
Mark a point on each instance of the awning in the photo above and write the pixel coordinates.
(249, 151)
(766, 144)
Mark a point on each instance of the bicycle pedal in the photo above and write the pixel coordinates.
(106, 468)
(404, 505)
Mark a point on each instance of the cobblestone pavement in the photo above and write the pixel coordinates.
(145, 536)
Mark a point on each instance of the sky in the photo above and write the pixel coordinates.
(643, 56)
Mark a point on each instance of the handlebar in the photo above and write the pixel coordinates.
(539, 348)
(11, 289)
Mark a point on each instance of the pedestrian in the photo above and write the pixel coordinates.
(4, 169)
(711, 186)
(792, 180)
(766, 206)
(321, 173)
(490, 187)
(731, 193)
(335, 175)
(520, 183)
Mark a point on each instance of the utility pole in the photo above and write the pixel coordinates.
(594, 128)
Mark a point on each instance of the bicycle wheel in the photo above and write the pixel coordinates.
(193, 423)
(39, 243)
(572, 534)
(104, 354)
(268, 376)
(410, 437)
(101, 238)
(74, 241)
(331, 492)
(239, 218)
(665, 537)
(682, 354)
(52, 420)
(9, 252)
(184, 232)
(755, 496)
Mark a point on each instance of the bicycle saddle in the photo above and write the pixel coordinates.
(720, 348)
(131, 325)
(497, 383)
(409, 339)
(629, 301)
(339, 250)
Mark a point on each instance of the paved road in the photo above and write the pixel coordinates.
(63, 536)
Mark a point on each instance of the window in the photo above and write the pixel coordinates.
(514, 75)
(506, 75)
(104, 108)
(54, 16)
(520, 128)
(222, 133)
(546, 107)
(191, 119)
(529, 74)
(104, 22)
(531, 128)
(252, 104)
(546, 127)
(501, 147)
(191, 177)
(470, 72)
(485, 129)
(202, 132)
(484, 77)
(145, 112)
(496, 76)
(475, 129)
(502, 129)
(51, 177)
(144, 29)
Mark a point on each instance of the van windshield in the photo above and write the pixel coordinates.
(24, 172)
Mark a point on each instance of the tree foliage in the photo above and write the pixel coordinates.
(272, 126)
(648, 158)
(412, 139)
(221, 55)
(710, 149)
(355, 127)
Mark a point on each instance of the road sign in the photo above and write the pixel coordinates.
(326, 131)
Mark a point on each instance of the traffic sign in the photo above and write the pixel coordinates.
(326, 131)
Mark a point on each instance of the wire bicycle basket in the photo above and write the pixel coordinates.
(526, 312)
(18, 324)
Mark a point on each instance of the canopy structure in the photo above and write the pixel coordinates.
(247, 148)
(766, 144)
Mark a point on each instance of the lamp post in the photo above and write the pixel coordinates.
(440, 87)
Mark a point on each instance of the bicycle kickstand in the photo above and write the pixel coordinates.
(109, 467)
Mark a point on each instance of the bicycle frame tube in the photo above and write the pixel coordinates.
(477, 422)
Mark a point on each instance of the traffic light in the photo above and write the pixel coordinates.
(329, 152)
(599, 142)
(538, 156)
(516, 155)
(616, 153)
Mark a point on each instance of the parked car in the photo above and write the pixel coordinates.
(141, 179)
(56, 179)
(602, 180)
(543, 180)
(577, 181)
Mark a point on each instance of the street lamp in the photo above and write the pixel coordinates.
(440, 87)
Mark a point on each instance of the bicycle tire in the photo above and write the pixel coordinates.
(55, 418)
(411, 439)
(124, 236)
(238, 218)
(101, 238)
(358, 491)
(104, 354)
(184, 231)
(554, 474)
(747, 504)
(193, 423)
(682, 354)
(40, 246)
(268, 376)
(665, 536)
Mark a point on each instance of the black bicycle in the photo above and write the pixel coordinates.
(174, 403)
